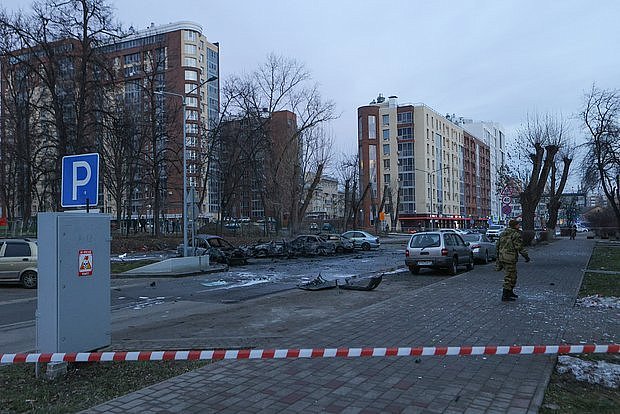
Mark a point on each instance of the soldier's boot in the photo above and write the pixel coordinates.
(506, 296)
(513, 294)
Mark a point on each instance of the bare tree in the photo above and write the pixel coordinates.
(277, 85)
(540, 143)
(601, 164)
(120, 156)
(557, 184)
(316, 154)
(348, 171)
(58, 44)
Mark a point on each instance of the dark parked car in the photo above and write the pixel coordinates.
(271, 249)
(438, 250)
(218, 249)
(310, 244)
(483, 248)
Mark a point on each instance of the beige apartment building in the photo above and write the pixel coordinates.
(411, 167)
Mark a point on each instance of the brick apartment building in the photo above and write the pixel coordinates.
(413, 165)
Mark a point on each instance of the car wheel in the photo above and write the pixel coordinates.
(339, 249)
(454, 266)
(486, 257)
(414, 270)
(366, 246)
(29, 280)
(470, 265)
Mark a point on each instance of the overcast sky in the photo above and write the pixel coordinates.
(486, 60)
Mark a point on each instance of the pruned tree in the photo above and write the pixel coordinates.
(560, 171)
(540, 142)
(601, 163)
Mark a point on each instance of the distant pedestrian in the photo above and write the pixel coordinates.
(573, 232)
(509, 246)
(142, 224)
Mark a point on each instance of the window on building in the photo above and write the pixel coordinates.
(191, 101)
(386, 164)
(386, 134)
(359, 128)
(190, 87)
(192, 115)
(372, 127)
(132, 59)
(405, 133)
(386, 149)
(191, 128)
(191, 75)
(191, 49)
(385, 119)
(386, 179)
(405, 118)
(190, 61)
(191, 35)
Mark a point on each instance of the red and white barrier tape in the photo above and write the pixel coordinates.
(306, 353)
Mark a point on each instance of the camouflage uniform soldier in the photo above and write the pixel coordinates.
(509, 245)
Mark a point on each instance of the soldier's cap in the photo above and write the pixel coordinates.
(514, 223)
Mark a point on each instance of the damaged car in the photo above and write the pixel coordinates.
(310, 244)
(218, 249)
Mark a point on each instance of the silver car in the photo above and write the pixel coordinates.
(438, 250)
(18, 262)
(484, 249)
(362, 240)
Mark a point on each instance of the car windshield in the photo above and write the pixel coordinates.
(471, 237)
(425, 240)
(495, 227)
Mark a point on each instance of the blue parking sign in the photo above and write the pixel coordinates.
(80, 180)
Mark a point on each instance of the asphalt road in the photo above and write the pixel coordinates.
(260, 277)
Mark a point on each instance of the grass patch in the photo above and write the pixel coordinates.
(600, 284)
(567, 395)
(84, 386)
(605, 258)
(120, 267)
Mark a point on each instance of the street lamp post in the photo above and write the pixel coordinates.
(184, 105)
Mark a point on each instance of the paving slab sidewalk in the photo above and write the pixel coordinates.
(463, 310)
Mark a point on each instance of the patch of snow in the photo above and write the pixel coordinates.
(599, 372)
(596, 301)
(214, 283)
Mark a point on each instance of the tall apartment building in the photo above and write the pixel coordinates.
(491, 134)
(412, 167)
(476, 178)
(178, 59)
(174, 58)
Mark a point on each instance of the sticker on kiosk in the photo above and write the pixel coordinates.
(85, 263)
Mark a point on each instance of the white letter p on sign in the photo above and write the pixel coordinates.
(79, 183)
